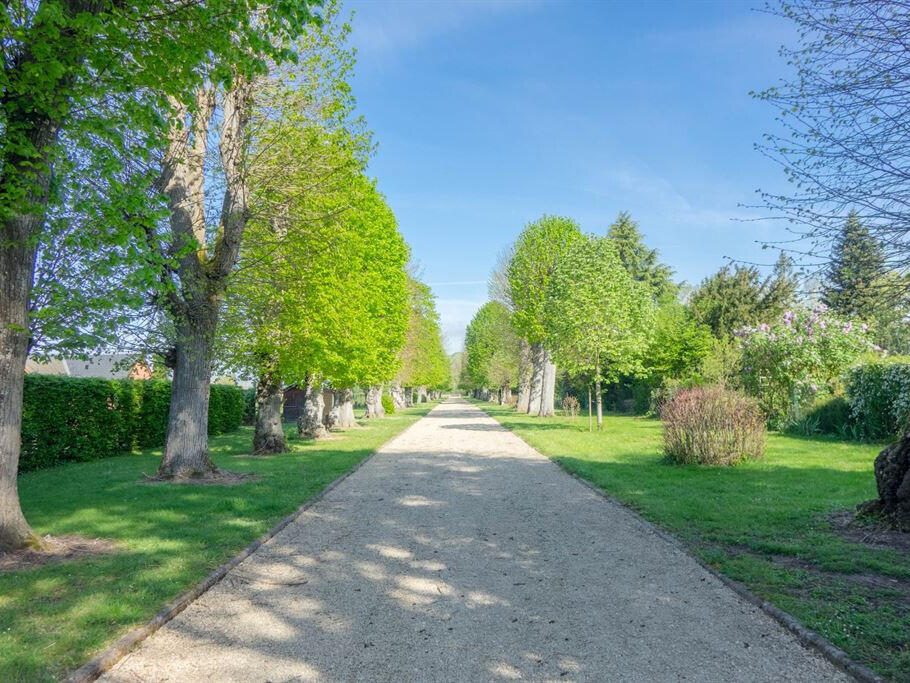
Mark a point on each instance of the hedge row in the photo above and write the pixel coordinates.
(74, 419)
(879, 397)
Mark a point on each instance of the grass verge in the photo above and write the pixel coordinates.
(169, 537)
(767, 524)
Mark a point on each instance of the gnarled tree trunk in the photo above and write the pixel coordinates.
(328, 408)
(892, 478)
(548, 390)
(268, 436)
(186, 449)
(374, 403)
(398, 396)
(536, 387)
(309, 424)
(422, 394)
(343, 409)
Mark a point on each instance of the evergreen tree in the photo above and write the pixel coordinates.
(639, 261)
(854, 284)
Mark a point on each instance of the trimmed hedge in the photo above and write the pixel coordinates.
(75, 419)
(879, 396)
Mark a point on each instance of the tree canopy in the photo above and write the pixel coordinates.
(640, 262)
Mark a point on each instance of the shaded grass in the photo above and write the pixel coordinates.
(53, 618)
(763, 523)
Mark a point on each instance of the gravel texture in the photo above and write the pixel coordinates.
(458, 553)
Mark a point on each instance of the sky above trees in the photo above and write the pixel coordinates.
(489, 114)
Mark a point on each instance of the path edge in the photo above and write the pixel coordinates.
(806, 637)
(105, 660)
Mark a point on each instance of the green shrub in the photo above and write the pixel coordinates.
(76, 419)
(249, 406)
(388, 404)
(712, 426)
(827, 415)
(225, 408)
(879, 396)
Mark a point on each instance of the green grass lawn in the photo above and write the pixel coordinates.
(764, 523)
(52, 619)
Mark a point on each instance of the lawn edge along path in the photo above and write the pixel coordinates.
(807, 637)
(113, 653)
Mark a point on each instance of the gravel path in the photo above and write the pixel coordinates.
(458, 553)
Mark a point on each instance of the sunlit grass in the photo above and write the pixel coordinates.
(53, 618)
(764, 523)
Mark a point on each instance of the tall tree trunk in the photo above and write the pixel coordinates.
(548, 388)
(374, 403)
(328, 407)
(309, 424)
(892, 479)
(186, 449)
(421, 394)
(536, 386)
(524, 377)
(203, 274)
(17, 267)
(268, 436)
(343, 407)
(590, 419)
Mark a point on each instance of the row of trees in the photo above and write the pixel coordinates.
(188, 181)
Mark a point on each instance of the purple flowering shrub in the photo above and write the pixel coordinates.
(712, 426)
(792, 361)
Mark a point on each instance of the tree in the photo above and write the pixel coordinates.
(639, 261)
(535, 256)
(735, 297)
(86, 91)
(491, 347)
(423, 360)
(598, 317)
(677, 345)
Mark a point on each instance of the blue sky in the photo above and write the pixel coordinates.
(489, 114)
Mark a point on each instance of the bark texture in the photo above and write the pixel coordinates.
(536, 385)
(17, 263)
(343, 409)
(398, 396)
(422, 394)
(892, 478)
(548, 389)
(524, 377)
(203, 274)
(309, 424)
(328, 408)
(374, 403)
(268, 436)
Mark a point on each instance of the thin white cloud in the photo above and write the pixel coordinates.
(454, 316)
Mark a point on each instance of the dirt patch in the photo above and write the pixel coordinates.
(219, 478)
(879, 535)
(56, 549)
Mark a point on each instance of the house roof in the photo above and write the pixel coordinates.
(104, 366)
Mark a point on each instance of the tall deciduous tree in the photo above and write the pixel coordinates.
(597, 316)
(642, 263)
(85, 92)
(424, 363)
(492, 349)
(535, 255)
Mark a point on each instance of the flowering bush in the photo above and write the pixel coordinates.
(712, 426)
(788, 363)
(879, 396)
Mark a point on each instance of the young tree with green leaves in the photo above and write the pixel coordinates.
(535, 256)
(640, 262)
(598, 317)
